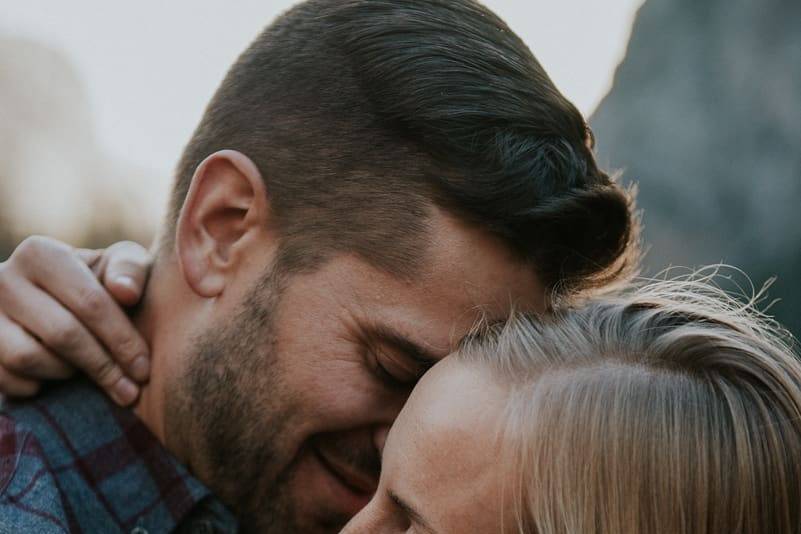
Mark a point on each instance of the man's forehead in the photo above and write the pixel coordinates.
(468, 276)
(479, 268)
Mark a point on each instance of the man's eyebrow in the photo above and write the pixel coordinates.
(413, 514)
(415, 351)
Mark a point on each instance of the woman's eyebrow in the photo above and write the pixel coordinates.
(412, 514)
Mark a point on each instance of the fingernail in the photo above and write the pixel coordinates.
(127, 281)
(140, 368)
(125, 391)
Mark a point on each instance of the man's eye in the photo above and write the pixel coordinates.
(388, 378)
(394, 371)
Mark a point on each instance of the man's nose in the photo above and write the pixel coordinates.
(380, 437)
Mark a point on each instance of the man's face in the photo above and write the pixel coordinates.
(285, 398)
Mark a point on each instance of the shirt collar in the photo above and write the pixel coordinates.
(98, 448)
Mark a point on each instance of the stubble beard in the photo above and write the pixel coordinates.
(231, 406)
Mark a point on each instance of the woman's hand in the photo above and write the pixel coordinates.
(60, 310)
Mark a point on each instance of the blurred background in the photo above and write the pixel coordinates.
(698, 102)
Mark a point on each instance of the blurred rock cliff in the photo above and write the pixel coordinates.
(705, 113)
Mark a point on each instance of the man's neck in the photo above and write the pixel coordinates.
(158, 320)
(149, 407)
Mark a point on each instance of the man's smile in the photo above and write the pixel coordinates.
(351, 488)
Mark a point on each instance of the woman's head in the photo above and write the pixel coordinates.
(669, 409)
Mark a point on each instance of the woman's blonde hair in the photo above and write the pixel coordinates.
(670, 409)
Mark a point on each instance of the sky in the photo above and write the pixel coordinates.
(150, 66)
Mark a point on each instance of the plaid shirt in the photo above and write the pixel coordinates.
(72, 461)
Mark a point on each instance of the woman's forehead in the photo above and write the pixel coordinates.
(443, 452)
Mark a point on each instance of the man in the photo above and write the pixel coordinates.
(369, 179)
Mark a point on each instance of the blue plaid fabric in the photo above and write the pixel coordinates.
(72, 461)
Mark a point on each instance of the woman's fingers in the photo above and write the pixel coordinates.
(23, 355)
(89, 256)
(75, 286)
(123, 269)
(48, 290)
(63, 334)
(16, 386)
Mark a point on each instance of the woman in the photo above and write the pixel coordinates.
(669, 410)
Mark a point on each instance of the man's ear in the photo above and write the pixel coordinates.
(225, 211)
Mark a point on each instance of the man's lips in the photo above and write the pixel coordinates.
(349, 476)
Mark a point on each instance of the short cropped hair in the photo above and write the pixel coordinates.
(673, 409)
(363, 115)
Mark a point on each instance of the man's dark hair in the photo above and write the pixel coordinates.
(363, 114)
